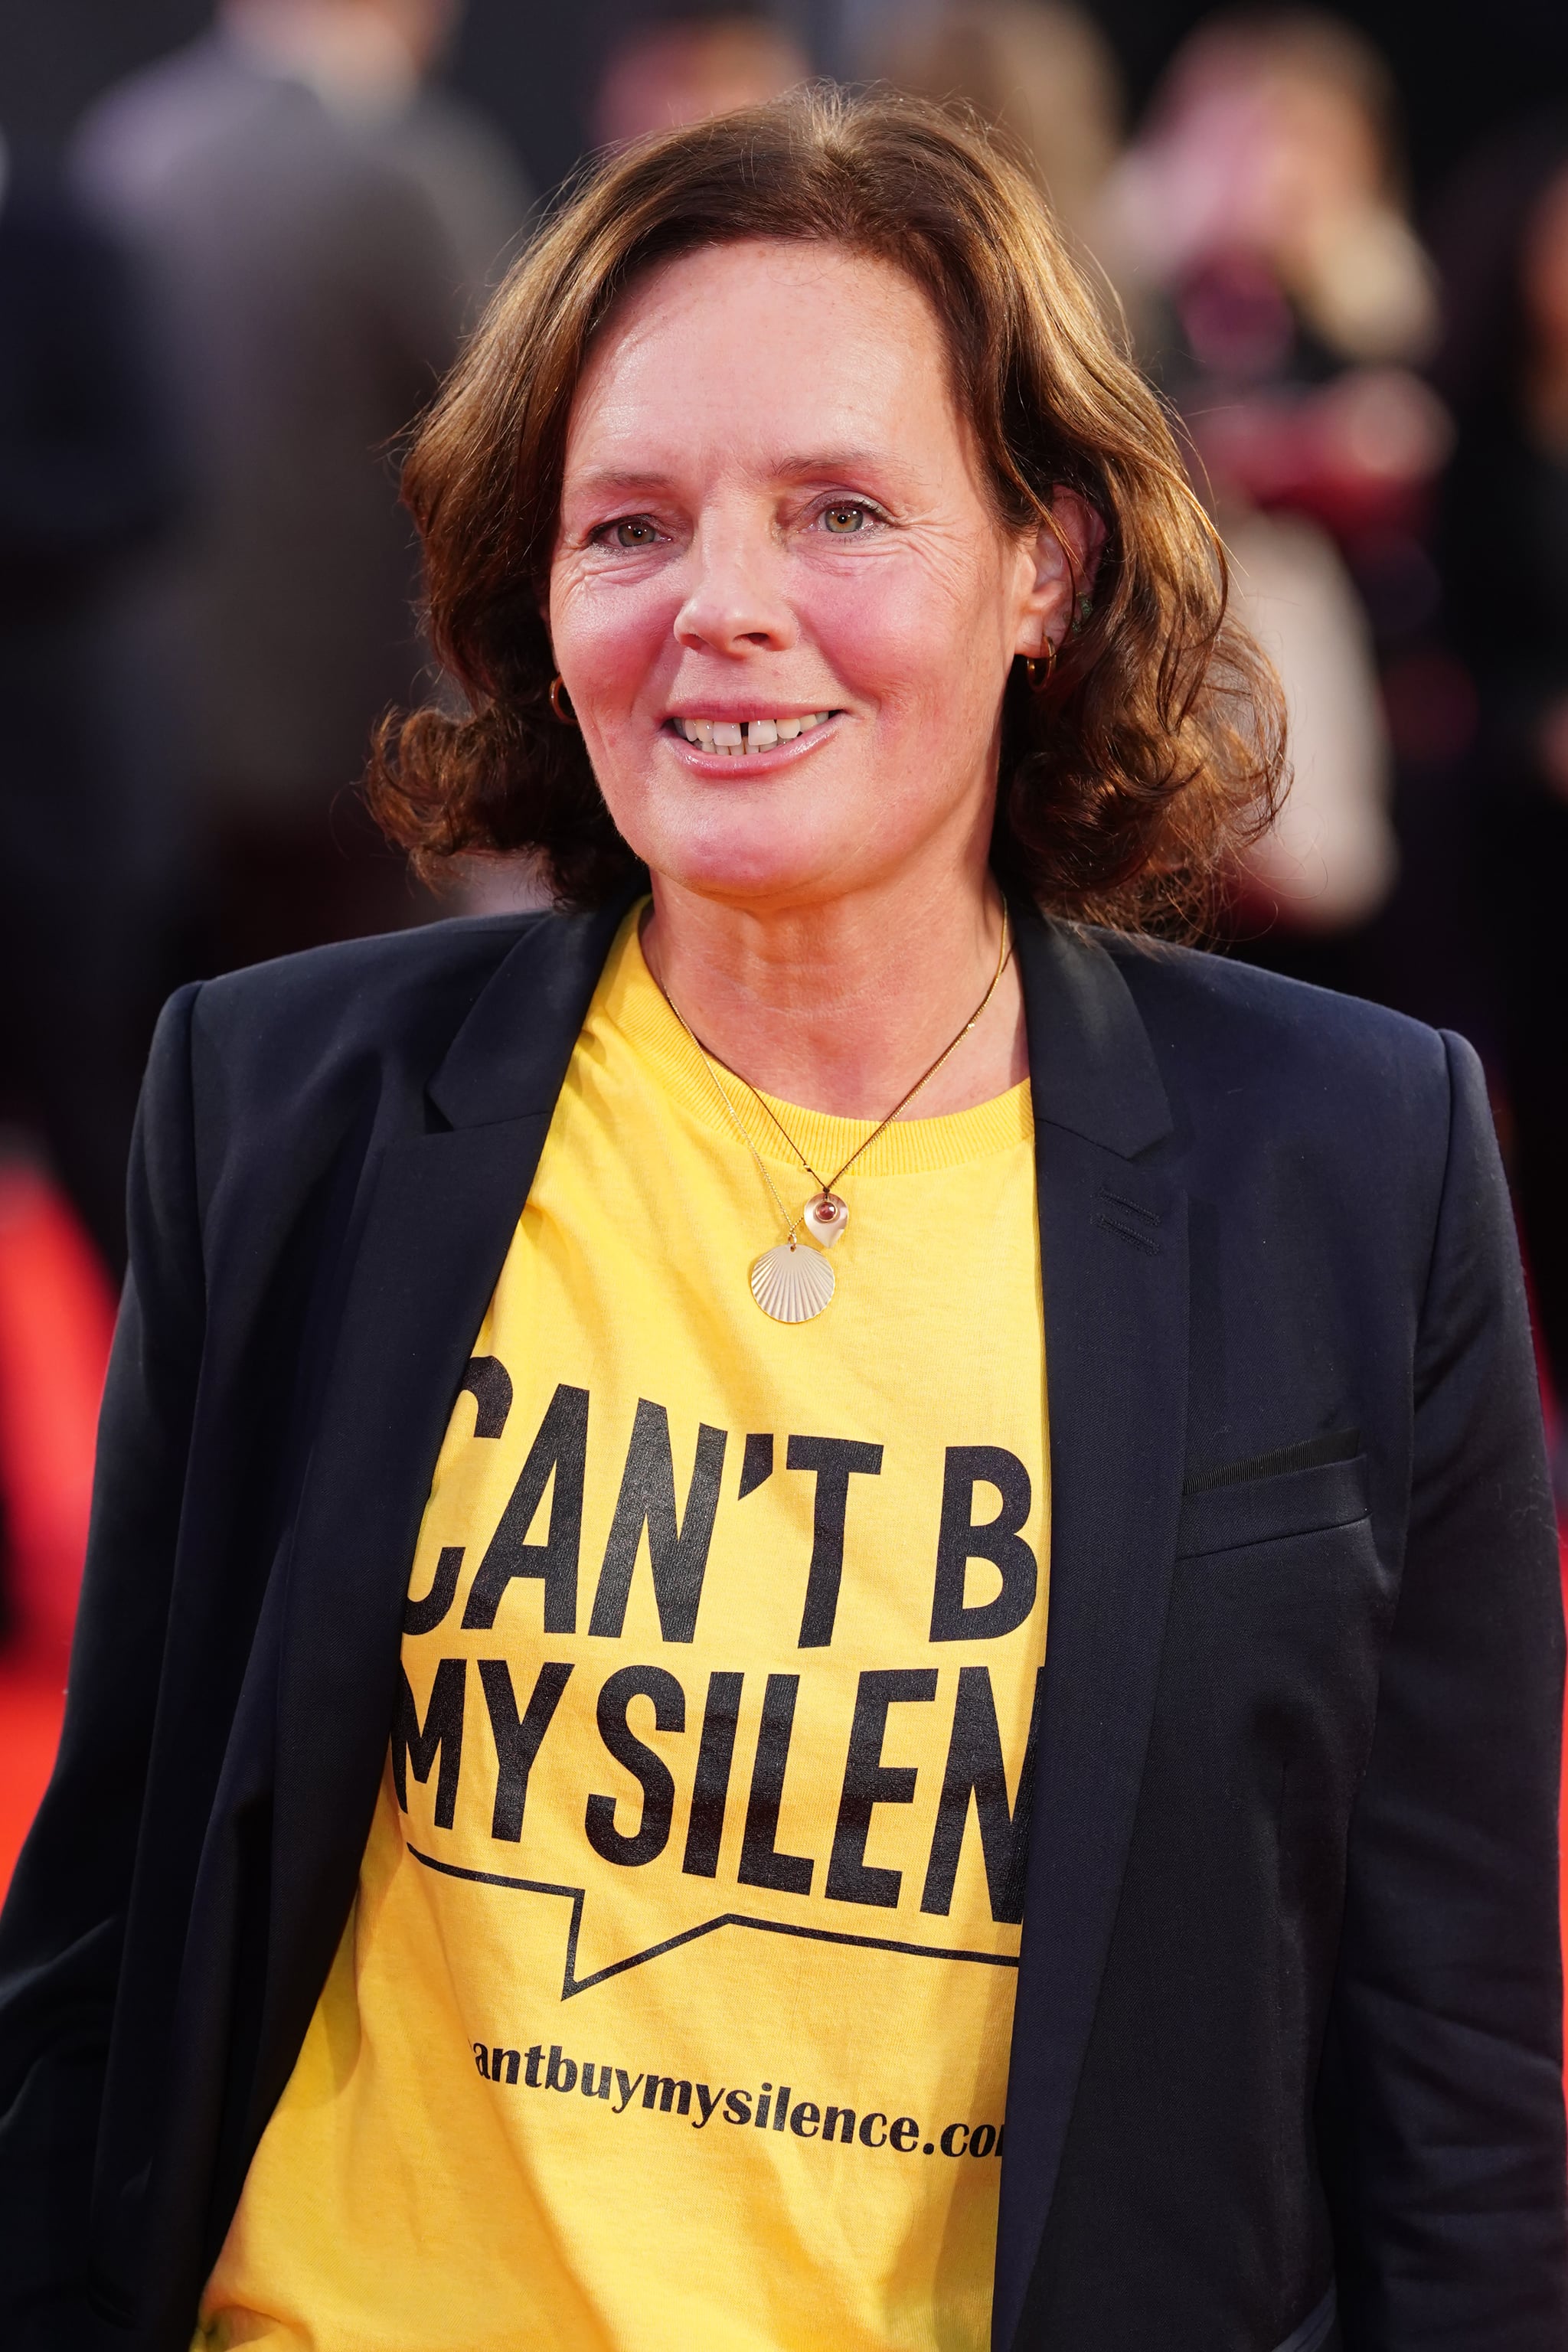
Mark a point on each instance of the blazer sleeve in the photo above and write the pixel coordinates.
(1442, 2106)
(63, 1925)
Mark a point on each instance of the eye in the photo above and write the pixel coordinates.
(630, 531)
(846, 519)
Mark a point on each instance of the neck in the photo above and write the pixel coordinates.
(841, 1007)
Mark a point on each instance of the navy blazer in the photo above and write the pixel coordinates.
(1286, 2067)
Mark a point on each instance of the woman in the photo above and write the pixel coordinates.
(573, 1827)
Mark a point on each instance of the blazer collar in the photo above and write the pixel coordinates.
(1091, 1066)
(509, 1056)
(430, 1235)
(1113, 1265)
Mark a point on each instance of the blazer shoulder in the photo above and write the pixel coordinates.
(1222, 1023)
(276, 1040)
(371, 987)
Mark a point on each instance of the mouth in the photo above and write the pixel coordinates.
(746, 738)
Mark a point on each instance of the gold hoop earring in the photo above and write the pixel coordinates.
(1046, 660)
(567, 716)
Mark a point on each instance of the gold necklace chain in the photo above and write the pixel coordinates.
(790, 1223)
(830, 1183)
(826, 1188)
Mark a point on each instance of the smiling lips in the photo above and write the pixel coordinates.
(733, 738)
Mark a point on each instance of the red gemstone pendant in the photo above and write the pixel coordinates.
(825, 1218)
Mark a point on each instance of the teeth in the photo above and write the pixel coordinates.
(736, 737)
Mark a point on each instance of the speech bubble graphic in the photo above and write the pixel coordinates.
(571, 1984)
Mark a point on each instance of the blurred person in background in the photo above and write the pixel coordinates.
(1260, 221)
(1504, 548)
(87, 478)
(1041, 72)
(686, 64)
(318, 224)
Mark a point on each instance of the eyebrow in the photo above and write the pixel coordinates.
(612, 477)
(817, 465)
(814, 464)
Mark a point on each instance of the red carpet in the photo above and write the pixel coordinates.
(57, 1316)
(31, 1701)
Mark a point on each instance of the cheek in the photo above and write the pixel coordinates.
(608, 640)
(902, 634)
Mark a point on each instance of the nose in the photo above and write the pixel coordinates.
(734, 601)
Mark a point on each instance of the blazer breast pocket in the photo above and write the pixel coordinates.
(1281, 1601)
(1261, 1505)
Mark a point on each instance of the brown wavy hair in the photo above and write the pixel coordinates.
(1159, 749)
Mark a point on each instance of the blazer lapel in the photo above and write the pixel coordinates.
(441, 1210)
(1114, 1263)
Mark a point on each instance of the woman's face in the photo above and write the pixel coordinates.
(773, 528)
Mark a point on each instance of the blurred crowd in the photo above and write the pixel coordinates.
(222, 307)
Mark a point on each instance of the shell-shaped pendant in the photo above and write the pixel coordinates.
(791, 1284)
(824, 1218)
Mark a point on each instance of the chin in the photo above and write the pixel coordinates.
(751, 856)
(752, 879)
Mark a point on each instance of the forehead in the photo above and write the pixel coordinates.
(738, 354)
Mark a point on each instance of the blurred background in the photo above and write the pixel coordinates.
(238, 244)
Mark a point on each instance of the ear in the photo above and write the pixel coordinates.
(1065, 553)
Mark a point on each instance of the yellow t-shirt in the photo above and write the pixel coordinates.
(674, 2008)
